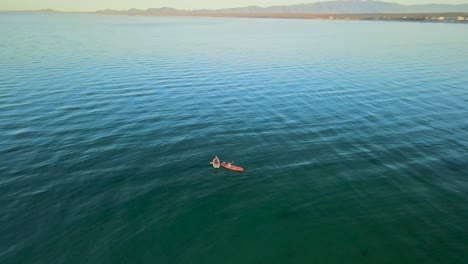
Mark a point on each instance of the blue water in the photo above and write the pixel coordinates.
(353, 136)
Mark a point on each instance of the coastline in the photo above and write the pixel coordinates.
(457, 18)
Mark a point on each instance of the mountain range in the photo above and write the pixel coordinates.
(326, 7)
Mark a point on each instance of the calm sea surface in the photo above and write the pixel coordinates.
(353, 136)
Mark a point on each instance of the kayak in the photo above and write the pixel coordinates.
(229, 166)
(216, 162)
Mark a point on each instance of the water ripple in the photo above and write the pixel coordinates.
(108, 124)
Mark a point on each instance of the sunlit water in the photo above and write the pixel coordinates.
(353, 136)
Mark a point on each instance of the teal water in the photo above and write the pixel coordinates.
(353, 136)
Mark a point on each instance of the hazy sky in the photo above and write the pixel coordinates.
(91, 5)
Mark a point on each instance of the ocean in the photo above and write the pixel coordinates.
(353, 136)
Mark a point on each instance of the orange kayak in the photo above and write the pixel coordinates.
(229, 166)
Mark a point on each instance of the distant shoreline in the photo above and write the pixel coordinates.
(458, 17)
